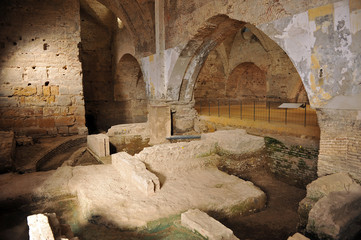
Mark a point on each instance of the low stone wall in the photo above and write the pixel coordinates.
(297, 164)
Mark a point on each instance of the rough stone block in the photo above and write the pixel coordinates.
(337, 215)
(331, 183)
(206, 225)
(134, 171)
(27, 91)
(7, 146)
(39, 227)
(298, 236)
(99, 144)
(235, 141)
(47, 226)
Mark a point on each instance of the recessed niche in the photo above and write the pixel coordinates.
(47, 83)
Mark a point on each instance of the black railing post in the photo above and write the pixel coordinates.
(305, 115)
(254, 110)
(229, 108)
(269, 112)
(286, 116)
(240, 108)
(218, 108)
(209, 107)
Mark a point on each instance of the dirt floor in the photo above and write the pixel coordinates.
(277, 221)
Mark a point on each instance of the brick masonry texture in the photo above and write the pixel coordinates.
(340, 144)
(40, 77)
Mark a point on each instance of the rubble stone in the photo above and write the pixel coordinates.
(135, 172)
(337, 215)
(298, 236)
(207, 226)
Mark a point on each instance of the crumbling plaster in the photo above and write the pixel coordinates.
(325, 51)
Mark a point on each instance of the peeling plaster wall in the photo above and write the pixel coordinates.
(323, 44)
(41, 89)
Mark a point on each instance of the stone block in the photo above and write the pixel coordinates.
(47, 226)
(63, 130)
(298, 236)
(331, 183)
(134, 171)
(46, 122)
(320, 188)
(235, 141)
(99, 144)
(64, 121)
(39, 227)
(129, 129)
(46, 90)
(54, 90)
(337, 215)
(159, 122)
(207, 226)
(26, 91)
(7, 146)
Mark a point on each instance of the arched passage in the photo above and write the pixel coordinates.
(247, 81)
(130, 90)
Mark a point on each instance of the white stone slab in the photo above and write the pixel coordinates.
(135, 172)
(39, 227)
(99, 144)
(207, 226)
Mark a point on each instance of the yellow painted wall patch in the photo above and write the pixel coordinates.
(320, 11)
(151, 58)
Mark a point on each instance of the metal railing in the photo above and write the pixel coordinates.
(257, 111)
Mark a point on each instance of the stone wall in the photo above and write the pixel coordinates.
(41, 89)
(340, 144)
(295, 164)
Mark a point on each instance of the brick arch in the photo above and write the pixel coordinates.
(247, 81)
(194, 54)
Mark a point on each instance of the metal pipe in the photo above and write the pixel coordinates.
(175, 137)
(305, 115)
(229, 108)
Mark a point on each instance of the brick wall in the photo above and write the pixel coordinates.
(297, 164)
(40, 73)
(340, 144)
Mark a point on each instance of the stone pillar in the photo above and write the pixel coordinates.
(159, 123)
(340, 143)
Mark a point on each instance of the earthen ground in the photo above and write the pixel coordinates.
(278, 221)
